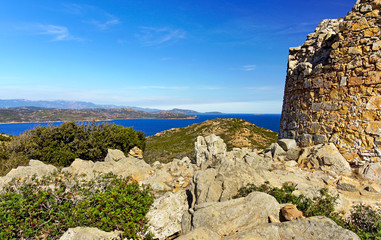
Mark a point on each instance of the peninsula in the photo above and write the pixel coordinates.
(37, 114)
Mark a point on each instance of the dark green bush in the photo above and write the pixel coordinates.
(5, 138)
(46, 208)
(61, 145)
(365, 221)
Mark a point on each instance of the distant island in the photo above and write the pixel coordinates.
(38, 114)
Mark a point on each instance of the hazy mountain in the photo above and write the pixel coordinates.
(61, 104)
(190, 112)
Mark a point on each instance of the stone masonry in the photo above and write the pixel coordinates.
(333, 86)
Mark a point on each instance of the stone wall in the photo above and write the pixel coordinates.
(333, 85)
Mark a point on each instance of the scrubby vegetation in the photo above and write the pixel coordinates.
(45, 208)
(61, 145)
(179, 142)
(5, 138)
(363, 220)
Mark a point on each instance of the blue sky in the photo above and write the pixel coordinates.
(207, 55)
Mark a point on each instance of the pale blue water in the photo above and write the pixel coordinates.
(153, 126)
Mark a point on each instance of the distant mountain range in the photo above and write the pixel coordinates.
(38, 114)
(61, 104)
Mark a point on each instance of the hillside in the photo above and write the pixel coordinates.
(179, 142)
(34, 114)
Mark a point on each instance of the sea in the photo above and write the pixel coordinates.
(152, 126)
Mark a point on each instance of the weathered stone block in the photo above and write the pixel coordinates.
(374, 128)
(374, 103)
(354, 81)
(373, 78)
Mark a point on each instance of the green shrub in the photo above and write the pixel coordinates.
(61, 145)
(5, 138)
(45, 208)
(365, 221)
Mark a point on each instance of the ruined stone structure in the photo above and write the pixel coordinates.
(333, 85)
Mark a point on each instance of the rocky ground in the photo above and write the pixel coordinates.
(194, 198)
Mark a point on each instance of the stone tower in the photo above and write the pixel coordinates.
(333, 85)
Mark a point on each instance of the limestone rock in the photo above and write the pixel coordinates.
(329, 155)
(372, 171)
(35, 167)
(313, 228)
(209, 150)
(164, 217)
(287, 144)
(114, 155)
(136, 153)
(230, 216)
(200, 233)
(291, 213)
(133, 167)
(81, 168)
(88, 233)
(374, 187)
(277, 151)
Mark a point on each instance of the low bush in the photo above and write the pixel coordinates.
(363, 220)
(45, 208)
(61, 145)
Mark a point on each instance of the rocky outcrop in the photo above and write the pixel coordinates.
(227, 217)
(333, 86)
(209, 151)
(197, 202)
(323, 156)
(88, 233)
(136, 153)
(313, 228)
(114, 155)
(166, 213)
(35, 168)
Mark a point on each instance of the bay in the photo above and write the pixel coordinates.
(152, 126)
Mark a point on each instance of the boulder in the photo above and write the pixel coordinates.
(133, 167)
(88, 233)
(291, 213)
(81, 167)
(200, 233)
(292, 154)
(136, 168)
(164, 217)
(287, 144)
(313, 228)
(328, 155)
(209, 151)
(227, 217)
(114, 155)
(35, 167)
(136, 153)
(277, 151)
(372, 171)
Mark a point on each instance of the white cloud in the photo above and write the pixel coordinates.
(249, 67)
(59, 33)
(155, 36)
(105, 25)
(161, 87)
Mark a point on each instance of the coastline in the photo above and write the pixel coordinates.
(96, 120)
